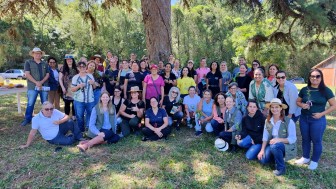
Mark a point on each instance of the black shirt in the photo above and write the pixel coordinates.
(129, 105)
(169, 104)
(134, 79)
(168, 86)
(213, 78)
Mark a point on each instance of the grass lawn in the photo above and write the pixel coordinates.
(182, 161)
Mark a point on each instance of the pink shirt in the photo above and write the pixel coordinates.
(150, 89)
(201, 73)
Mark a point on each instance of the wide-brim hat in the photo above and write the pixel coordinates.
(68, 56)
(221, 145)
(134, 89)
(36, 49)
(97, 56)
(276, 101)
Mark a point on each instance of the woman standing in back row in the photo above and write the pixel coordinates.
(313, 99)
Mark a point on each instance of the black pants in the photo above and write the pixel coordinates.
(67, 104)
(152, 136)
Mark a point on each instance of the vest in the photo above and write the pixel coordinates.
(34, 72)
(230, 123)
(100, 120)
(290, 149)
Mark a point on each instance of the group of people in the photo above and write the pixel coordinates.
(247, 108)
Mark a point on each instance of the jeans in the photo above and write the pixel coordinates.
(110, 136)
(61, 139)
(227, 136)
(80, 109)
(253, 149)
(177, 116)
(96, 94)
(198, 127)
(277, 152)
(217, 127)
(312, 131)
(295, 118)
(32, 96)
(128, 125)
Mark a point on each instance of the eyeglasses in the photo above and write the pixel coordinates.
(117, 91)
(81, 66)
(233, 88)
(315, 76)
(190, 62)
(52, 62)
(282, 77)
(175, 92)
(48, 109)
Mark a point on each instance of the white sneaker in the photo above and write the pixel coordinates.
(190, 125)
(313, 165)
(302, 161)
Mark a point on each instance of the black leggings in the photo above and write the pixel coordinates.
(152, 136)
(67, 107)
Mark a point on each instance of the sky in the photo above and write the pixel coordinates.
(173, 2)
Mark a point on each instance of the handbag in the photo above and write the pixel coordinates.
(159, 96)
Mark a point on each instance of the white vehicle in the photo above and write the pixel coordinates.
(13, 74)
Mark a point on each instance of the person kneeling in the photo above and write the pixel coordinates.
(53, 126)
(156, 122)
(103, 116)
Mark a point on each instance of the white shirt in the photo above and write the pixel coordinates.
(45, 124)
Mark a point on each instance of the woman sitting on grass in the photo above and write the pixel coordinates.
(156, 122)
(172, 105)
(190, 104)
(102, 120)
(279, 137)
(204, 115)
(218, 110)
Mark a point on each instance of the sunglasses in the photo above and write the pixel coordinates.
(175, 92)
(81, 66)
(48, 109)
(315, 76)
(282, 77)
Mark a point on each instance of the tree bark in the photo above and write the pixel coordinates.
(156, 17)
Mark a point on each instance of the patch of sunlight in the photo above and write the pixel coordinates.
(144, 168)
(176, 167)
(329, 117)
(331, 128)
(204, 171)
(118, 180)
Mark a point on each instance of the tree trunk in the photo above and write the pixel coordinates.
(156, 17)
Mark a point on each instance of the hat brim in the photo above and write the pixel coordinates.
(134, 91)
(94, 57)
(283, 106)
(223, 148)
(32, 52)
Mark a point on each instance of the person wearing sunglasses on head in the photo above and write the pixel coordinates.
(313, 99)
(53, 125)
(287, 93)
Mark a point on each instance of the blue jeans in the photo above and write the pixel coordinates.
(277, 152)
(80, 109)
(110, 136)
(217, 127)
(253, 149)
(96, 94)
(177, 116)
(312, 131)
(32, 96)
(295, 118)
(61, 139)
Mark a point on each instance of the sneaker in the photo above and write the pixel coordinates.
(302, 161)
(24, 123)
(198, 133)
(190, 125)
(313, 165)
(144, 139)
(279, 173)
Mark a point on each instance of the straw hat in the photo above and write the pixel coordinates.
(36, 49)
(221, 145)
(97, 56)
(276, 101)
(134, 89)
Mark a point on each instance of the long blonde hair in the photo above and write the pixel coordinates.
(110, 106)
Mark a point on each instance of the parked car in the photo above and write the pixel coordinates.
(14, 74)
(297, 80)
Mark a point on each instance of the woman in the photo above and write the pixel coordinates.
(218, 110)
(252, 131)
(117, 101)
(279, 137)
(255, 64)
(110, 76)
(238, 96)
(226, 77)
(243, 80)
(204, 113)
(107, 60)
(153, 86)
(313, 99)
(169, 78)
(261, 90)
(133, 78)
(91, 69)
(287, 93)
(214, 79)
(156, 122)
(67, 71)
(232, 124)
(122, 74)
(102, 120)
(202, 71)
(131, 112)
(185, 82)
(272, 70)
(192, 73)
(83, 85)
(176, 70)
(98, 60)
(54, 93)
(144, 67)
(172, 105)
(190, 104)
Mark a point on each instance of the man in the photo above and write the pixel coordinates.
(37, 74)
(53, 126)
(241, 60)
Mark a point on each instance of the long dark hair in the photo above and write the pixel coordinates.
(182, 71)
(216, 98)
(322, 85)
(217, 69)
(66, 68)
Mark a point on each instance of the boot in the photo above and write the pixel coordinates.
(96, 140)
(232, 148)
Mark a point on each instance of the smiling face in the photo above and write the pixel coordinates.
(207, 95)
(135, 67)
(221, 99)
(191, 91)
(229, 102)
(185, 71)
(223, 67)
(91, 66)
(281, 78)
(272, 70)
(258, 75)
(233, 89)
(242, 69)
(154, 103)
(104, 98)
(47, 109)
(315, 78)
(213, 66)
(275, 109)
(168, 68)
(37, 55)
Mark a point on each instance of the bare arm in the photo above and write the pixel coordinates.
(30, 138)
